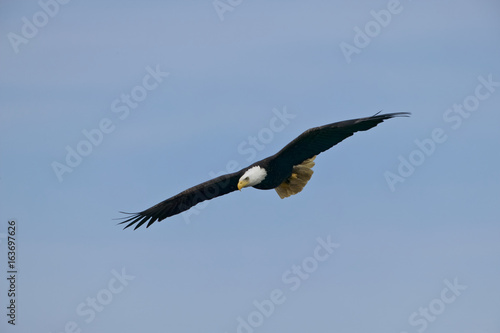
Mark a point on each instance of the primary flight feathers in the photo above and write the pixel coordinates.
(287, 171)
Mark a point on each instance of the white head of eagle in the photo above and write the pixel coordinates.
(252, 177)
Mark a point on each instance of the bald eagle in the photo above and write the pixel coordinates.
(287, 172)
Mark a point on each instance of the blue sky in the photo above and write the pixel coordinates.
(171, 93)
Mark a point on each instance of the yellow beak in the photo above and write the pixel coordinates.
(242, 183)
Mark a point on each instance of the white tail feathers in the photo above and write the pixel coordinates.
(301, 174)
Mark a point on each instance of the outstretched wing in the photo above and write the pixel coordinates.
(318, 139)
(185, 200)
